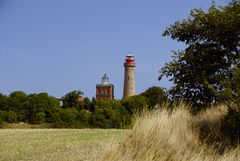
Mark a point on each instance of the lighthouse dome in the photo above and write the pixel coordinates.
(105, 80)
(130, 55)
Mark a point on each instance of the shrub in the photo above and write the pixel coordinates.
(83, 118)
(98, 120)
(11, 117)
(40, 117)
(1, 120)
(230, 126)
(134, 104)
(155, 95)
(219, 127)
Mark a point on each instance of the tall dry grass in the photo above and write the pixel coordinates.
(160, 135)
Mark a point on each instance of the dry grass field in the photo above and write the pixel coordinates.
(53, 144)
(158, 135)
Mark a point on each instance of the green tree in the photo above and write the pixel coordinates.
(10, 116)
(16, 103)
(40, 117)
(40, 103)
(200, 72)
(155, 95)
(97, 119)
(65, 118)
(86, 103)
(235, 85)
(69, 117)
(134, 104)
(54, 115)
(110, 114)
(119, 118)
(83, 118)
(3, 102)
(93, 103)
(1, 119)
(72, 99)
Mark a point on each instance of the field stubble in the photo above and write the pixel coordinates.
(53, 144)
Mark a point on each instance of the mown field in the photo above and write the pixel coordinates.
(54, 144)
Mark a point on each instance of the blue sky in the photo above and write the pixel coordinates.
(57, 46)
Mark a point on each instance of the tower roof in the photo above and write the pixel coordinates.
(105, 80)
(130, 54)
(129, 61)
(105, 76)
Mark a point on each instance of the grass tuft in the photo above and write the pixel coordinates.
(160, 135)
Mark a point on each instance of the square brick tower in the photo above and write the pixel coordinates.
(105, 90)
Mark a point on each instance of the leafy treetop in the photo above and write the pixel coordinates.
(200, 72)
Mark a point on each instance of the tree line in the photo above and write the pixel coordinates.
(74, 111)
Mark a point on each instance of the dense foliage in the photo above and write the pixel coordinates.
(154, 95)
(135, 104)
(204, 72)
(72, 110)
(207, 72)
